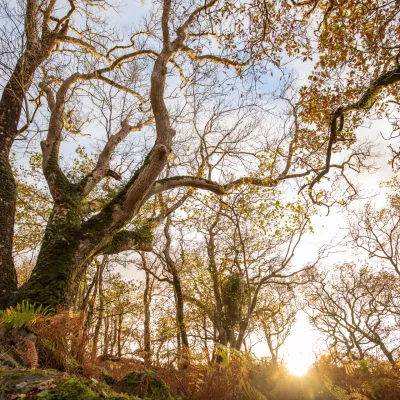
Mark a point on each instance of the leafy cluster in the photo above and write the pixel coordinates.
(23, 315)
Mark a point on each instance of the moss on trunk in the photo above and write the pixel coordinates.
(53, 274)
(8, 278)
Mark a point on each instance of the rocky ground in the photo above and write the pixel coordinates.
(41, 384)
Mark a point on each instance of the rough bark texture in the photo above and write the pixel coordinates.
(10, 112)
(8, 278)
(69, 243)
(53, 274)
(36, 50)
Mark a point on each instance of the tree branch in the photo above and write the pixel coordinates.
(140, 239)
(366, 101)
(103, 162)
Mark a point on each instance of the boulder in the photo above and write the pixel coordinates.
(145, 385)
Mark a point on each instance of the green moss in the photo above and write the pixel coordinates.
(231, 298)
(129, 240)
(145, 385)
(102, 220)
(52, 276)
(77, 389)
(108, 379)
(144, 233)
(72, 389)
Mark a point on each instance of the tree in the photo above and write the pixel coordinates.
(377, 232)
(355, 78)
(320, 118)
(352, 307)
(171, 273)
(246, 255)
(101, 233)
(114, 308)
(23, 52)
(276, 315)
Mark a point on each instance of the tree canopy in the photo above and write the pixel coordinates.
(195, 146)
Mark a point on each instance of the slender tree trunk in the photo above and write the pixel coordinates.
(181, 321)
(272, 350)
(147, 333)
(206, 351)
(221, 338)
(100, 317)
(243, 325)
(106, 338)
(179, 349)
(87, 293)
(119, 336)
(114, 336)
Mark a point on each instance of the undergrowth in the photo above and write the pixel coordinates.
(24, 314)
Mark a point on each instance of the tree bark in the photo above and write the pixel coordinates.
(99, 322)
(10, 113)
(147, 321)
(181, 321)
(66, 251)
(57, 264)
(8, 276)
(11, 103)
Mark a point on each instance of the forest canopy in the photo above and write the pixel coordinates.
(162, 165)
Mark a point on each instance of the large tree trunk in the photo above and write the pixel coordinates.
(59, 259)
(8, 277)
(11, 104)
(69, 241)
(67, 249)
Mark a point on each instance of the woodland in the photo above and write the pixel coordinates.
(165, 168)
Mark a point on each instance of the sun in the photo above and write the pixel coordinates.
(298, 364)
(300, 347)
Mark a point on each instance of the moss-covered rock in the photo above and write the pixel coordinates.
(78, 389)
(53, 385)
(71, 389)
(14, 381)
(108, 379)
(145, 385)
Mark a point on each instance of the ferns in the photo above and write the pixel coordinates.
(23, 315)
(251, 393)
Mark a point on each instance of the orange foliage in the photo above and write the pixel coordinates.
(64, 344)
